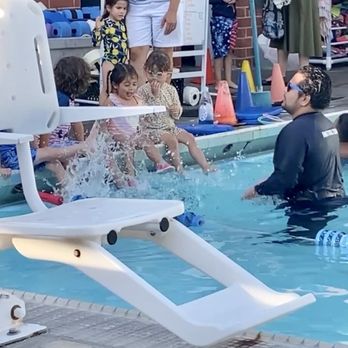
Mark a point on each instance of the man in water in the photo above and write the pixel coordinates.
(307, 167)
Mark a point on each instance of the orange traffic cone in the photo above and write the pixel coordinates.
(277, 85)
(224, 110)
(209, 73)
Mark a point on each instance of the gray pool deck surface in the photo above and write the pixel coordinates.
(73, 324)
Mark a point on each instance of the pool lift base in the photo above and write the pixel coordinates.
(73, 233)
(12, 328)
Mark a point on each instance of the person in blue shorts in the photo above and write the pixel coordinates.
(223, 26)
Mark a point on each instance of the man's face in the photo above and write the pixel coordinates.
(293, 95)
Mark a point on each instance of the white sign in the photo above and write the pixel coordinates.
(192, 17)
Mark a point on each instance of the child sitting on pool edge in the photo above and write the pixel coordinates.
(160, 127)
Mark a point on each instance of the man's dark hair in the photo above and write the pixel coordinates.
(317, 84)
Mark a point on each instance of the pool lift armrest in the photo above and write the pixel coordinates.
(91, 113)
(14, 138)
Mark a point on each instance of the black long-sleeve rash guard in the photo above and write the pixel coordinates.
(306, 161)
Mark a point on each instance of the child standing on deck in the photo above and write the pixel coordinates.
(111, 29)
(123, 85)
(223, 26)
(160, 127)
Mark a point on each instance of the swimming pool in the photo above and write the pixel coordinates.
(251, 233)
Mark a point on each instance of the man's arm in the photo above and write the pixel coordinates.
(169, 20)
(289, 155)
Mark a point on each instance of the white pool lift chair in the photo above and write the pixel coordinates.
(74, 233)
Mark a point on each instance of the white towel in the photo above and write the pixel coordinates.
(280, 3)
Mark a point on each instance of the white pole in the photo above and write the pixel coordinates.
(205, 46)
(101, 51)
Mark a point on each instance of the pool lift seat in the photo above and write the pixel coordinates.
(74, 233)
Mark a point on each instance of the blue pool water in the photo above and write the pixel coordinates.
(251, 233)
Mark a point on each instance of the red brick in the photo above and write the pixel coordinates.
(61, 3)
(242, 32)
(241, 3)
(244, 22)
(242, 12)
(244, 43)
(244, 49)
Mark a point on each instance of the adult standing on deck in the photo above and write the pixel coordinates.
(151, 23)
(303, 25)
(307, 166)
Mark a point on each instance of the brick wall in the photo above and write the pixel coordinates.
(61, 3)
(244, 46)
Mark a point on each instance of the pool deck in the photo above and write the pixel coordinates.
(74, 324)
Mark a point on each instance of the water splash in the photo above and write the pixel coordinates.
(89, 176)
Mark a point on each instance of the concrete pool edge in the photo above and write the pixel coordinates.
(48, 310)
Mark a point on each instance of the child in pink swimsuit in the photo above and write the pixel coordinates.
(123, 85)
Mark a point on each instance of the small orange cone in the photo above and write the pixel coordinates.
(277, 85)
(209, 73)
(224, 110)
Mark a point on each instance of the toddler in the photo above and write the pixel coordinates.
(123, 85)
(160, 127)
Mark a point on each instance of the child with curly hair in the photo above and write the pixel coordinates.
(160, 127)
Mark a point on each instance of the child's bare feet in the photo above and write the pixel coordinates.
(233, 85)
(6, 172)
(164, 167)
(210, 169)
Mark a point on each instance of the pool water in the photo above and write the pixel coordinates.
(250, 232)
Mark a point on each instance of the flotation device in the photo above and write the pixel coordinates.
(188, 218)
(51, 198)
(206, 129)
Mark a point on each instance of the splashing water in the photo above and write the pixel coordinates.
(90, 177)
